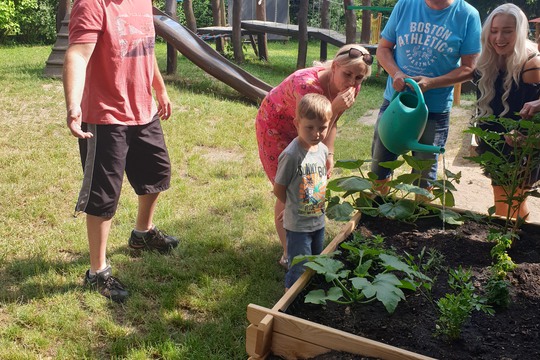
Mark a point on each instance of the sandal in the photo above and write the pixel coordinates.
(284, 262)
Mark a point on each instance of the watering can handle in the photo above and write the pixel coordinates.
(416, 89)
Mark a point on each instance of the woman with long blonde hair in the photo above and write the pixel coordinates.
(508, 76)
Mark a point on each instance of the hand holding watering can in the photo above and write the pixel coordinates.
(403, 122)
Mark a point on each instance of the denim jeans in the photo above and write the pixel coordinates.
(435, 133)
(301, 243)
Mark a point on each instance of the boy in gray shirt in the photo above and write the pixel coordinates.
(301, 182)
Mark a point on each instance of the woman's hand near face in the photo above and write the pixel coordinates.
(343, 101)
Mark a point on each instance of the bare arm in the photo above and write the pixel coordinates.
(75, 63)
(164, 103)
(532, 76)
(385, 58)
(456, 76)
(281, 192)
(329, 142)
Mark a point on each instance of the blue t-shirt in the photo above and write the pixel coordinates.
(431, 42)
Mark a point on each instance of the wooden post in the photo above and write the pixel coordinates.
(260, 14)
(237, 31)
(365, 33)
(350, 22)
(302, 34)
(172, 54)
(216, 21)
(457, 94)
(191, 22)
(325, 24)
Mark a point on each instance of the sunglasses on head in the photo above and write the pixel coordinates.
(355, 53)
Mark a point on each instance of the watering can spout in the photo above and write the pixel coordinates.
(403, 122)
(416, 146)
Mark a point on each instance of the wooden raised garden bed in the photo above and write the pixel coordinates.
(511, 333)
(272, 331)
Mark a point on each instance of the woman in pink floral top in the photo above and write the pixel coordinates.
(339, 80)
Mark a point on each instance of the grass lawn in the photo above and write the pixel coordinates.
(188, 305)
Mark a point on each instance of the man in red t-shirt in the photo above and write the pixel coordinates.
(109, 72)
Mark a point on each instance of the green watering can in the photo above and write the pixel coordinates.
(404, 121)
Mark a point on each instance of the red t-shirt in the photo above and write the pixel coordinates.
(118, 88)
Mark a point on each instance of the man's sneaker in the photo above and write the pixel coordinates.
(107, 285)
(154, 239)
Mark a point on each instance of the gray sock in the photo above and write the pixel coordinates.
(139, 234)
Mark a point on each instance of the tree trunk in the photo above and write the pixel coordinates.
(302, 34)
(190, 17)
(237, 31)
(261, 38)
(216, 20)
(325, 24)
(350, 23)
(365, 34)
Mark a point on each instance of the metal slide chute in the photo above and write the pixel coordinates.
(208, 59)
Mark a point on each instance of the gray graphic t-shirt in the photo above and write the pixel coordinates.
(304, 174)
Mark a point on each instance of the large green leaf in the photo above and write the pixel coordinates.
(391, 262)
(408, 178)
(384, 288)
(451, 217)
(392, 165)
(319, 296)
(330, 268)
(418, 164)
(400, 210)
(354, 184)
(349, 164)
(340, 212)
(414, 190)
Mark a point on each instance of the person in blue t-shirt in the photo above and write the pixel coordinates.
(436, 43)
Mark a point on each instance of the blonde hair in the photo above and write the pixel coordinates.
(314, 107)
(345, 60)
(488, 59)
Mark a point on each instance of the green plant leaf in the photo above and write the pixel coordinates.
(339, 212)
(320, 297)
(393, 263)
(349, 164)
(449, 199)
(451, 175)
(330, 268)
(400, 210)
(353, 184)
(362, 269)
(384, 288)
(418, 164)
(451, 217)
(414, 190)
(408, 178)
(392, 165)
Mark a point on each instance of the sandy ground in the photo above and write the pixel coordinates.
(474, 191)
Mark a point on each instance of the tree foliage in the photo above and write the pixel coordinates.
(28, 21)
(531, 8)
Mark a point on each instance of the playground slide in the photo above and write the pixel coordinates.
(205, 57)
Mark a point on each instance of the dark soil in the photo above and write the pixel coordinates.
(512, 333)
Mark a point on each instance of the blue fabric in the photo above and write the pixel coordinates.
(301, 243)
(436, 133)
(431, 42)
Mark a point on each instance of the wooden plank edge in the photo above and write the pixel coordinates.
(326, 337)
(301, 283)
